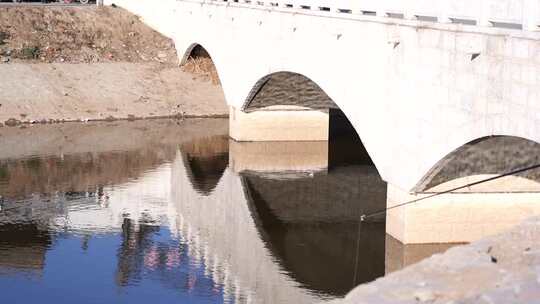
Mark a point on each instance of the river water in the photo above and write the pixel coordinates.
(174, 212)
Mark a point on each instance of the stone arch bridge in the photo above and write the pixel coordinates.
(417, 79)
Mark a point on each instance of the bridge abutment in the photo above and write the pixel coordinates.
(456, 217)
(279, 123)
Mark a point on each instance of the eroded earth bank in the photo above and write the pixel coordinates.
(87, 63)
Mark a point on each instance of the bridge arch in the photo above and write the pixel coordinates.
(483, 158)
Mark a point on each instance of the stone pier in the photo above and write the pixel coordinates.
(279, 123)
(456, 217)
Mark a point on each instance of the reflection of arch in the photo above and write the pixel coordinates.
(287, 88)
(310, 222)
(206, 159)
(485, 156)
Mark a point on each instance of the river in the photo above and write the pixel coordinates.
(174, 212)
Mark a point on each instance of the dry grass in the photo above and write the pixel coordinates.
(80, 34)
(202, 66)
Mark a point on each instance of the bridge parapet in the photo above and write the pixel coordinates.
(518, 14)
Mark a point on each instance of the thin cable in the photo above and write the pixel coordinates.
(357, 253)
(364, 216)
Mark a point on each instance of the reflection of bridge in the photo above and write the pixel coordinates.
(240, 228)
(261, 231)
(257, 231)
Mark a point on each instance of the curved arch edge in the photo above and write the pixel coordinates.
(424, 183)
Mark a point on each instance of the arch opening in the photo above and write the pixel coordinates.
(197, 60)
(287, 89)
(319, 210)
(293, 91)
(485, 158)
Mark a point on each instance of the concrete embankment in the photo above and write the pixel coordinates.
(85, 63)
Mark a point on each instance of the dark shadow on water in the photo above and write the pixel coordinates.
(344, 145)
(320, 254)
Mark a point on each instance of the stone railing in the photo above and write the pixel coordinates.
(513, 14)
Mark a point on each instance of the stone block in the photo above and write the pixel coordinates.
(281, 123)
(456, 217)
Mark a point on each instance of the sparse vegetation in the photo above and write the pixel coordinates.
(200, 63)
(3, 37)
(202, 66)
(31, 52)
(80, 35)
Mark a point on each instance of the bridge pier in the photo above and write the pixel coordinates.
(279, 123)
(456, 217)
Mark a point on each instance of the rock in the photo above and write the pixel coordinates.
(162, 55)
(424, 296)
(5, 59)
(12, 122)
(131, 117)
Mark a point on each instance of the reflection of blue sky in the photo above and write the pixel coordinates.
(75, 275)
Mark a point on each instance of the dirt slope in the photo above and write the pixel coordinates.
(79, 35)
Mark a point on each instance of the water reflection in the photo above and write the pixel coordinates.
(309, 223)
(182, 215)
(206, 159)
(22, 249)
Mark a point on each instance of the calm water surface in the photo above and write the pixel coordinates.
(174, 212)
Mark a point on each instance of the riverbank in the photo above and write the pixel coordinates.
(32, 93)
(85, 63)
